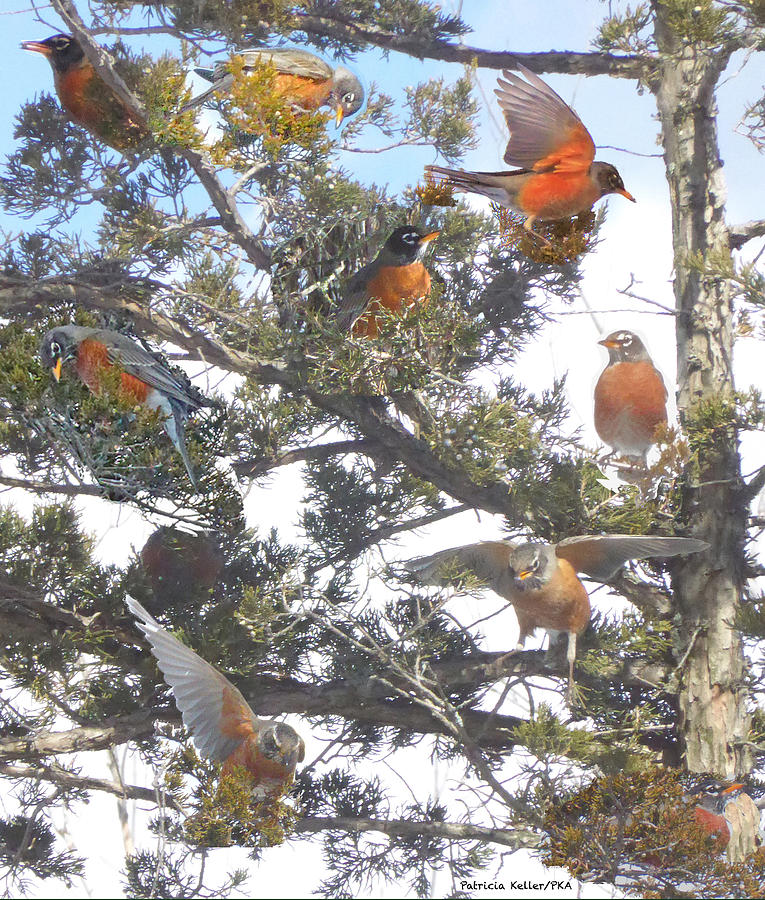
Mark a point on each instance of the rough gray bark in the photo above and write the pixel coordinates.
(713, 722)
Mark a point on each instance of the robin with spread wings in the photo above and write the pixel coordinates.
(557, 175)
(541, 581)
(224, 727)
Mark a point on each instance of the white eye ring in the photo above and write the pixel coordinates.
(349, 97)
(410, 237)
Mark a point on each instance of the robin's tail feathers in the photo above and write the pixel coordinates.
(487, 184)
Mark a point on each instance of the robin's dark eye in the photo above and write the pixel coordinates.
(62, 43)
(349, 97)
(55, 349)
(410, 237)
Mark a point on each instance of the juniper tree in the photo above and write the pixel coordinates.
(230, 249)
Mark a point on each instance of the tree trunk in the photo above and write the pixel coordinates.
(713, 720)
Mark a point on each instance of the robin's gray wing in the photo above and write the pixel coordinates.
(222, 81)
(289, 61)
(489, 561)
(213, 710)
(601, 556)
(545, 133)
(134, 360)
(355, 296)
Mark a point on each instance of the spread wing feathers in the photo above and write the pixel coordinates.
(213, 710)
(136, 361)
(601, 556)
(355, 297)
(545, 133)
(488, 560)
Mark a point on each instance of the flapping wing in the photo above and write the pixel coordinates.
(488, 560)
(289, 61)
(601, 556)
(213, 710)
(545, 133)
(134, 360)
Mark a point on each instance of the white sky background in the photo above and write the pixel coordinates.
(636, 240)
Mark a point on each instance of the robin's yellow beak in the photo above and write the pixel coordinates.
(339, 115)
(37, 47)
(525, 574)
(57, 369)
(431, 236)
(625, 193)
(612, 345)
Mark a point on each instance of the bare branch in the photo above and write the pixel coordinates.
(565, 61)
(314, 452)
(738, 235)
(47, 487)
(453, 831)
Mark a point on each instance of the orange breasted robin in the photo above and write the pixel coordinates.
(85, 96)
(144, 379)
(223, 725)
(729, 814)
(630, 396)
(557, 177)
(182, 567)
(541, 581)
(396, 277)
(302, 78)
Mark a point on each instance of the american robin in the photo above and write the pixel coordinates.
(89, 101)
(143, 380)
(540, 580)
(395, 277)
(223, 725)
(302, 78)
(630, 396)
(730, 814)
(182, 567)
(557, 177)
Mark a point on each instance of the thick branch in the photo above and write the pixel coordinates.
(221, 199)
(66, 779)
(453, 831)
(564, 61)
(738, 235)
(47, 487)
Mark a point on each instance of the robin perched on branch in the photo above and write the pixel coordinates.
(729, 813)
(143, 378)
(85, 96)
(541, 581)
(630, 396)
(302, 78)
(223, 725)
(557, 177)
(396, 277)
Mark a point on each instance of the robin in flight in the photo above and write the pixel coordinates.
(143, 379)
(182, 567)
(541, 581)
(223, 725)
(395, 277)
(730, 814)
(630, 397)
(302, 78)
(556, 177)
(85, 96)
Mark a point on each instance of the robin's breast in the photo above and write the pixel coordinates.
(269, 774)
(93, 362)
(630, 402)
(304, 92)
(561, 604)
(394, 285)
(557, 195)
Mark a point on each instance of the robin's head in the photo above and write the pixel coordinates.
(282, 744)
(57, 347)
(624, 346)
(62, 51)
(346, 95)
(407, 244)
(532, 565)
(609, 180)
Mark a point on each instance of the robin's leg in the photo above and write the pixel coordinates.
(528, 226)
